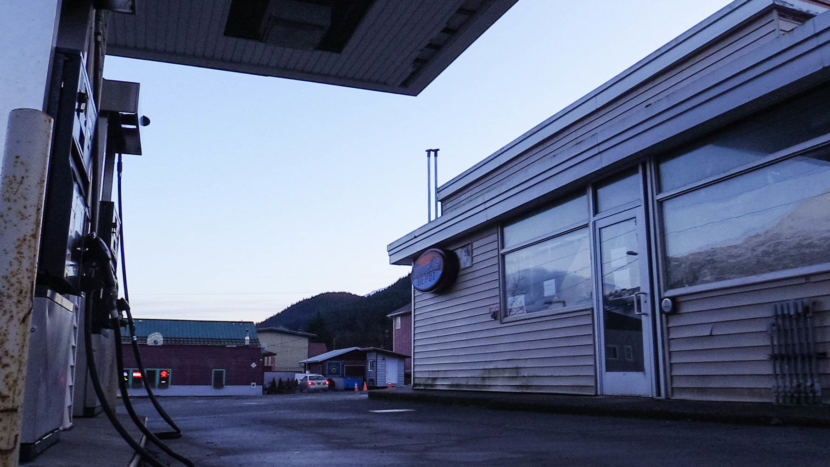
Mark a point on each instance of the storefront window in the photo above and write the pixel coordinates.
(623, 190)
(796, 121)
(774, 218)
(553, 270)
(549, 275)
(569, 213)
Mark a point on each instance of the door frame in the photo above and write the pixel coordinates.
(612, 383)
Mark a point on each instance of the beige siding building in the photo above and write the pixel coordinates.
(664, 236)
(290, 348)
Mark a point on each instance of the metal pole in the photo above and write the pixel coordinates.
(429, 189)
(435, 151)
(22, 189)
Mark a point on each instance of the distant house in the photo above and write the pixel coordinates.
(289, 346)
(195, 358)
(402, 336)
(355, 365)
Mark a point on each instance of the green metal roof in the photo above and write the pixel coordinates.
(176, 331)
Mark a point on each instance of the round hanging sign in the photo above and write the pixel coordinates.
(434, 270)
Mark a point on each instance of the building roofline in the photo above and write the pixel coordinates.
(338, 352)
(404, 310)
(286, 331)
(753, 74)
(699, 36)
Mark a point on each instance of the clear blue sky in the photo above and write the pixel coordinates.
(254, 193)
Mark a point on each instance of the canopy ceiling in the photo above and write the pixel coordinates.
(397, 46)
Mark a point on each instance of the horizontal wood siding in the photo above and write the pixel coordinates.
(719, 344)
(570, 145)
(459, 346)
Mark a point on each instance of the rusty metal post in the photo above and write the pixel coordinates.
(22, 190)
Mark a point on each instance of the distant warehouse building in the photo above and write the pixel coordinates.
(667, 235)
(195, 358)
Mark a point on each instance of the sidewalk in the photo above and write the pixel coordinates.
(632, 407)
(90, 441)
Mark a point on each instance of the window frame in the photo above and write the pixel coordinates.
(796, 150)
(562, 231)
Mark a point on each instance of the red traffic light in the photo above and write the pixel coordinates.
(163, 373)
(136, 374)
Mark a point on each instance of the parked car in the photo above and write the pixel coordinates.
(313, 382)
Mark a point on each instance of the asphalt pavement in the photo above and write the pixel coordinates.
(347, 428)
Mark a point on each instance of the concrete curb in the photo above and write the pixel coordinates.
(629, 407)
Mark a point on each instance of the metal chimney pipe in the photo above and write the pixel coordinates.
(429, 188)
(435, 151)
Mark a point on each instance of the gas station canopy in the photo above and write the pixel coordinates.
(396, 46)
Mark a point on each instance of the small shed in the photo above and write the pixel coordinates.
(358, 365)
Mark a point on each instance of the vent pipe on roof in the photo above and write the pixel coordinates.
(432, 190)
(429, 187)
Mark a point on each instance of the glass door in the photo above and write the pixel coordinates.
(626, 347)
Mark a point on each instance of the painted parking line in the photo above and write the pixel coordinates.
(392, 410)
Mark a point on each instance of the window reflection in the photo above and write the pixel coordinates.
(549, 275)
(547, 222)
(778, 128)
(620, 269)
(775, 218)
(618, 192)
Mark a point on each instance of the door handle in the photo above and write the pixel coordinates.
(638, 305)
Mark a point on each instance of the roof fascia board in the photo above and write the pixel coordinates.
(698, 37)
(798, 56)
(255, 70)
(399, 313)
(460, 42)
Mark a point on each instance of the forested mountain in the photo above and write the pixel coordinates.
(342, 319)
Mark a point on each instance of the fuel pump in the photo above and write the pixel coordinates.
(76, 272)
(119, 123)
(59, 298)
(98, 281)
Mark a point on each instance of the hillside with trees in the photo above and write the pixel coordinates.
(342, 319)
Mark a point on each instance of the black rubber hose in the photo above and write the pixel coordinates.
(125, 397)
(99, 391)
(136, 353)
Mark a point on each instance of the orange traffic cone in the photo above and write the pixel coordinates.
(364, 386)
(355, 387)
